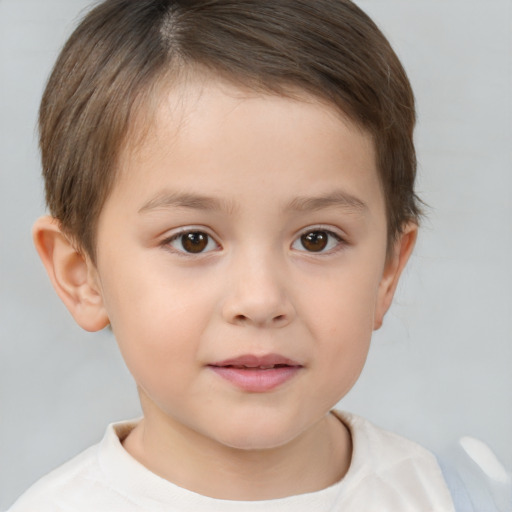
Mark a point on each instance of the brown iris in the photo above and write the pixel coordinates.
(194, 242)
(315, 241)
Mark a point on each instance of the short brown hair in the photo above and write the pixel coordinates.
(108, 68)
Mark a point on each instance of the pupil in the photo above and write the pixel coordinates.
(315, 241)
(194, 242)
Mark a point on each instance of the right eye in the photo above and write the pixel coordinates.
(192, 242)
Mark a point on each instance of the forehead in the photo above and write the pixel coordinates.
(209, 136)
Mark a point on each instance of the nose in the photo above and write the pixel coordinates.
(257, 295)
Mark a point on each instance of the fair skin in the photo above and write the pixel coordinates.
(244, 230)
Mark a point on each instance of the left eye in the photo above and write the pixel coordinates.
(318, 240)
(193, 242)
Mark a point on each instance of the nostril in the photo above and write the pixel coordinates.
(244, 318)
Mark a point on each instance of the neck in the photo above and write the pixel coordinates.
(313, 461)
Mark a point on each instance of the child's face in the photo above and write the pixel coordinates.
(246, 229)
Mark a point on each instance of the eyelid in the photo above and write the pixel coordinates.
(178, 232)
(330, 230)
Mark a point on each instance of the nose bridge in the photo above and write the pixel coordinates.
(257, 293)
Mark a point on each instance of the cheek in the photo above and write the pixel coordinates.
(158, 320)
(343, 343)
(342, 303)
(340, 315)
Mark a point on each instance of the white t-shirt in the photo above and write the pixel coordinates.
(387, 474)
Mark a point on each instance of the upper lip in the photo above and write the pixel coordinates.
(253, 361)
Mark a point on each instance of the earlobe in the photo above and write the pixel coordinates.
(72, 274)
(395, 264)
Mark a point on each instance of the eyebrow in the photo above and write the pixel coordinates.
(337, 199)
(187, 200)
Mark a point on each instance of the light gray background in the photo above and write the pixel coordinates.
(441, 366)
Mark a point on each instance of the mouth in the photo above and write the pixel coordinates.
(257, 374)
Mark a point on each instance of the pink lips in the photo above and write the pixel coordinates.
(257, 374)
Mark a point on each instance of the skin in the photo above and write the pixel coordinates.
(253, 173)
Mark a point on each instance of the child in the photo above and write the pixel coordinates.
(231, 190)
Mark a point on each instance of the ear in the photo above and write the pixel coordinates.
(395, 263)
(72, 274)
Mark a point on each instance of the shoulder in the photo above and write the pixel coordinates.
(49, 493)
(81, 484)
(393, 468)
(386, 449)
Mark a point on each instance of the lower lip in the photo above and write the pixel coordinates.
(256, 380)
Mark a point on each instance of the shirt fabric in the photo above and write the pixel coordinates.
(386, 473)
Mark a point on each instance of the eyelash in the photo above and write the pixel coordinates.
(167, 243)
(339, 242)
